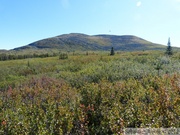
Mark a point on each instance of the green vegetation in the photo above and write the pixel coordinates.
(28, 53)
(89, 94)
(63, 56)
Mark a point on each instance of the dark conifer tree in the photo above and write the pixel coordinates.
(169, 48)
(112, 51)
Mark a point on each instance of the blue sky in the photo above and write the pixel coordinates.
(25, 21)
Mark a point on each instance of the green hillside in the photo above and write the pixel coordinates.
(82, 42)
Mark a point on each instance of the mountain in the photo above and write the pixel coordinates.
(83, 42)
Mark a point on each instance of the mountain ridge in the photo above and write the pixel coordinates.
(84, 42)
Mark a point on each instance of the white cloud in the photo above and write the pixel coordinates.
(138, 4)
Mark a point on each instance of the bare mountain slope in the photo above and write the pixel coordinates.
(76, 41)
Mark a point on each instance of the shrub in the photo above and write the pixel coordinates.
(63, 56)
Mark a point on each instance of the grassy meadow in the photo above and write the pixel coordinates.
(89, 93)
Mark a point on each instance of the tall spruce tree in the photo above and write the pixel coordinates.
(169, 48)
(112, 51)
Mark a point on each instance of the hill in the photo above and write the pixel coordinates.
(83, 42)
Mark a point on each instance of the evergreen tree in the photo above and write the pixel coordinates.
(112, 51)
(169, 48)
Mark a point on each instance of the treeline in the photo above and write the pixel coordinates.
(4, 57)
